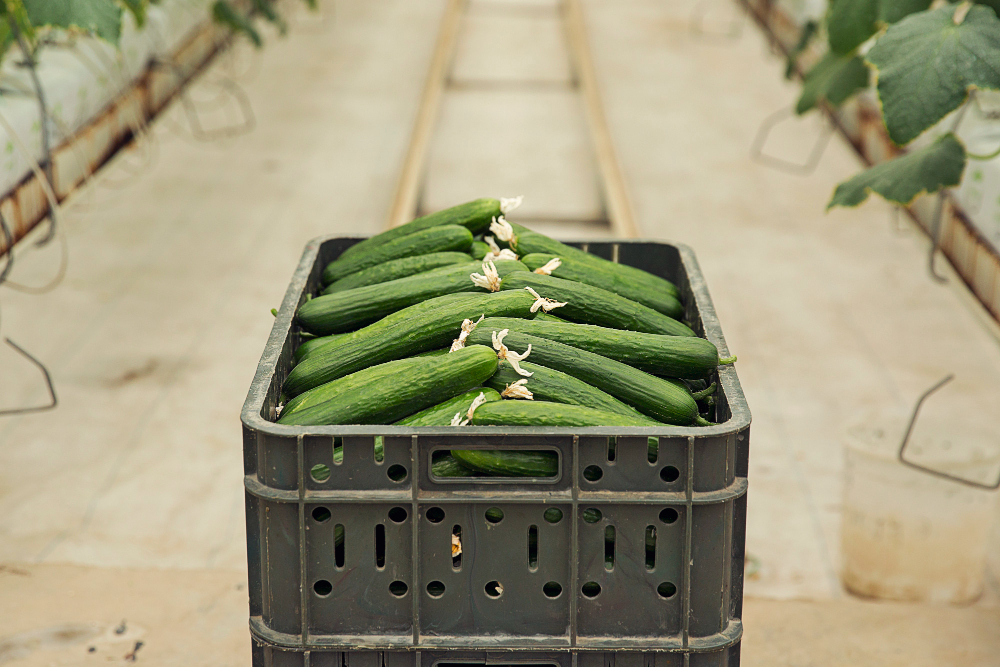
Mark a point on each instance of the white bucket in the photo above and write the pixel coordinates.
(907, 534)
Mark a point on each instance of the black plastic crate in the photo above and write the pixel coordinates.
(392, 594)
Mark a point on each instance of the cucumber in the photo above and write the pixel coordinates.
(445, 465)
(435, 239)
(478, 249)
(551, 385)
(388, 320)
(526, 242)
(307, 346)
(684, 357)
(343, 311)
(544, 413)
(432, 325)
(431, 381)
(572, 268)
(332, 389)
(650, 395)
(397, 268)
(548, 317)
(593, 305)
(442, 413)
(508, 463)
(474, 216)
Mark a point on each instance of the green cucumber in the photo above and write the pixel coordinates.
(445, 465)
(442, 413)
(307, 346)
(573, 268)
(684, 357)
(344, 311)
(431, 381)
(650, 395)
(435, 239)
(388, 320)
(549, 317)
(508, 463)
(527, 242)
(474, 216)
(545, 413)
(548, 384)
(433, 325)
(593, 305)
(478, 249)
(397, 268)
(332, 389)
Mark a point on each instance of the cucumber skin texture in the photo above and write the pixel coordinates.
(527, 242)
(331, 389)
(555, 386)
(478, 249)
(432, 326)
(684, 357)
(650, 395)
(593, 305)
(435, 239)
(448, 466)
(442, 413)
(508, 463)
(386, 321)
(475, 216)
(394, 269)
(545, 413)
(343, 311)
(433, 380)
(307, 346)
(597, 276)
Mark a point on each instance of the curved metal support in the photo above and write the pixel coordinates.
(48, 383)
(937, 473)
(935, 239)
(764, 132)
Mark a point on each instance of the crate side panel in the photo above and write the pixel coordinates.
(281, 608)
(710, 578)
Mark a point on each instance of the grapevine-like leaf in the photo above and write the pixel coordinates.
(891, 11)
(227, 15)
(849, 23)
(137, 8)
(927, 63)
(266, 9)
(99, 17)
(834, 79)
(929, 169)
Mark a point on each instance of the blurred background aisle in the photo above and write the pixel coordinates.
(126, 502)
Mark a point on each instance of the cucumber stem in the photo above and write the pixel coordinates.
(725, 361)
(701, 421)
(704, 393)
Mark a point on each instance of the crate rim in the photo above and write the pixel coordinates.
(267, 366)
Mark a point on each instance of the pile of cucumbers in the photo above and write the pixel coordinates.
(462, 318)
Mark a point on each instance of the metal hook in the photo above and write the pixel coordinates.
(757, 148)
(48, 383)
(935, 234)
(190, 109)
(917, 466)
(735, 31)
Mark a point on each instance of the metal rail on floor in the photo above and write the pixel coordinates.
(406, 198)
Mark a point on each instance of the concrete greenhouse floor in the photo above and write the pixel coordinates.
(123, 508)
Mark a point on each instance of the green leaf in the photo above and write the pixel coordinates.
(227, 15)
(834, 79)
(927, 64)
(98, 17)
(891, 11)
(312, 4)
(929, 169)
(849, 23)
(138, 9)
(995, 4)
(266, 9)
